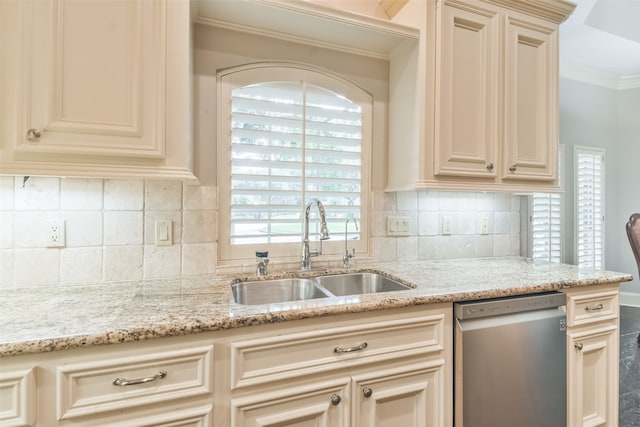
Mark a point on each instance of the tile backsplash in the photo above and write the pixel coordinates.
(110, 228)
(426, 210)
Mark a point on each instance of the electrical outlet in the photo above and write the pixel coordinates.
(446, 225)
(56, 233)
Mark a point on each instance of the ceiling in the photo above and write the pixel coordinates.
(600, 43)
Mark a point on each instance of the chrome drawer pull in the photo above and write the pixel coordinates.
(350, 349)
(594, 308)
(125, 382)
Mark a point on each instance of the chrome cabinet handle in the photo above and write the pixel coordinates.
(512, 168)
(578, 346)
(33, 134)
(350, 349)
(367, 392)
(490, 167)
(123, 382)
(594, 308)
(335, 399)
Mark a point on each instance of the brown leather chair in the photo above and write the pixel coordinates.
(633, 232)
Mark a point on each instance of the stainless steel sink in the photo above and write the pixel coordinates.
(275, 291)
(359, 283)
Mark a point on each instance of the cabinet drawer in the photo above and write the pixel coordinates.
(590, 307)
(114, 384)
(256, 361)
(17, 398)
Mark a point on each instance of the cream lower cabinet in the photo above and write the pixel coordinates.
(98, 88)
(168, 382)
(383, 368)
(491, 95)
(593, 356)
(390, 369)
(18, 397)
(407, 396)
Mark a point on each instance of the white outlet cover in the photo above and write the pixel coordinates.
(56, 232)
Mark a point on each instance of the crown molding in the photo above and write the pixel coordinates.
(599, 78)
(556, 11)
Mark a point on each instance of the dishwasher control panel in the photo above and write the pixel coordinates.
(507, 305)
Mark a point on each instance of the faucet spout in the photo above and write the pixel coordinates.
(305, 260)
(347, 256)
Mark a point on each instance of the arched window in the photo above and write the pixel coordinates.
(289, 133)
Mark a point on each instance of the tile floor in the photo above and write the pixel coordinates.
(629, 367)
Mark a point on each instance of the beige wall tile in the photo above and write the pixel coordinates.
(38, 194)
(123, 194)
(163, 195)
(162, 261)
(123, 262)
(47, 271)
(81, 265)
(81, 194)
(123, 228)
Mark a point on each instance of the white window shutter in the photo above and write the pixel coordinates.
(589, 207)
(546, 227)
(546, 221)
(291, 142)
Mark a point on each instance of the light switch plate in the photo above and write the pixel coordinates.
(164, 233)
(446, 225)
(484, 225)
(398, 226)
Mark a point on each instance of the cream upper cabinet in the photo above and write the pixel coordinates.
(530, 113)
(487, 114)
(592, 356)
(466, 133)
(98, 88)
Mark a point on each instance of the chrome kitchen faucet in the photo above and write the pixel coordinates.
(347, 256)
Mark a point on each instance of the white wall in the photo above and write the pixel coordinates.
(595, 116)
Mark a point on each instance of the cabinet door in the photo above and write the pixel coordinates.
(319, 405)
(407, 398)
(466, 136)
(531, 101)
(94, 78)
(593, 377)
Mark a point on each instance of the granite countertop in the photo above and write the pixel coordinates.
(41, 319)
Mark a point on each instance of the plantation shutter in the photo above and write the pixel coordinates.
(291, 142)
(546, 227)
(590, 207)
(546, 221)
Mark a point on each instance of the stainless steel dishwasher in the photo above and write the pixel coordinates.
(510, 362)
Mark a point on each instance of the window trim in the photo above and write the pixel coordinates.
(272, 71)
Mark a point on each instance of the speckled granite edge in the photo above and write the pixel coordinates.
(73, 316)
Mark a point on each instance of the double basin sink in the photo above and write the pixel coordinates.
(296, 289)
